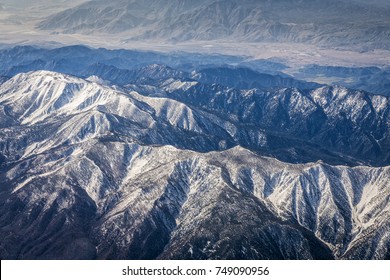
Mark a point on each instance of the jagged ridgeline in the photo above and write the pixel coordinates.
(174, 159)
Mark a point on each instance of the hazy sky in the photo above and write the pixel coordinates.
(32, 3)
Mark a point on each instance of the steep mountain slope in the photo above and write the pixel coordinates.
(91, 171)
(133, 208)
(77, 109)
(326, 23)
(351, 123)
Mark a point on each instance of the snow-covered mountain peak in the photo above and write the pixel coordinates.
(39, 81)
(37, 95)
(43, 75)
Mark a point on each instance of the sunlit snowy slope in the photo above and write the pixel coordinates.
(173, 168)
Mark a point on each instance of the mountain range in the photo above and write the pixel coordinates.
(180, 129)
(169, 167)
(346, 24)
(124, 66)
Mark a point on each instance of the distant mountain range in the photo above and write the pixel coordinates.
(331, 23)
(122, 67)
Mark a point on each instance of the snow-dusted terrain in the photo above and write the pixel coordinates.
(173, 168)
